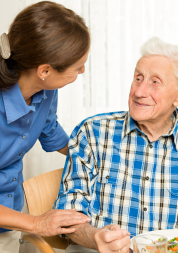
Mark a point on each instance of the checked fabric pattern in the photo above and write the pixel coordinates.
(115, 175)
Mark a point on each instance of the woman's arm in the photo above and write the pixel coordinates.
(63, 150)
(48, 224)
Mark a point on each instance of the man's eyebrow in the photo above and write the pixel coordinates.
(138, 70)
(155, 74)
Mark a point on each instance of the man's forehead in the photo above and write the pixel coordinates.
(155, 63)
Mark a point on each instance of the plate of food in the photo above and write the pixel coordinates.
(157, 244)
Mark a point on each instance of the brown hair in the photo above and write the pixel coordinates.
(43, 33)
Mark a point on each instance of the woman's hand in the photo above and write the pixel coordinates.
(56, 222)
(113, 240)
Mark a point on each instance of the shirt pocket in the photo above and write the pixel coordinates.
(111, 188)
(169, 208)
(172, 187)
(117, 174)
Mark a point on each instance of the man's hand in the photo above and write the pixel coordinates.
(113, 240)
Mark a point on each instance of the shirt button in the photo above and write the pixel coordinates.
(14, 179)
(21, 154)
(10, 195)
(150, 146)
(24, 137)
(107, 177)
(147, 178)
(144, 209)
(28, 120)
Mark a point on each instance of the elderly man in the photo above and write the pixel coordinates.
(122, 167)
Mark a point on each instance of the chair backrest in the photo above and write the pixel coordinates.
(41, 192)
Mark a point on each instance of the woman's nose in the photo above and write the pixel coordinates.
(82, 70)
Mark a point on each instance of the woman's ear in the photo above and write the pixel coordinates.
(43, 71)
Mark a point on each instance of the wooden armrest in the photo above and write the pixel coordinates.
(38, 242)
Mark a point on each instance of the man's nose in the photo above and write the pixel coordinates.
(143, 89)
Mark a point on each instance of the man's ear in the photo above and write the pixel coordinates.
(176, 102)
(43, 71)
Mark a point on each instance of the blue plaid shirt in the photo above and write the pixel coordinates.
(115, 175)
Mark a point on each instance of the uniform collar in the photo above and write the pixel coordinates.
(15, 105)
(130, 126)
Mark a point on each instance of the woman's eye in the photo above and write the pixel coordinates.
(155, 82)
(138, 79)
(80, 69)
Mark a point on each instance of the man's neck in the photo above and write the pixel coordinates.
(155, 129)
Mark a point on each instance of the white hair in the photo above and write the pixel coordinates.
(155, 46)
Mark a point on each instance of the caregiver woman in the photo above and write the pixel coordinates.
(46, 48)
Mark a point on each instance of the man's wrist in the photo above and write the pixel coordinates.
(84, 236)
(95, 237)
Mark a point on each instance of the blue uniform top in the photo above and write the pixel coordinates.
(20, 126)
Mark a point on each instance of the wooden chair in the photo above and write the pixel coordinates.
(40, 193)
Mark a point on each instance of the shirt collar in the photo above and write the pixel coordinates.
(39, 96)
(130, 125)
(174, 129)
(15, 105)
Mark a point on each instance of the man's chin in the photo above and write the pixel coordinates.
(140, 116)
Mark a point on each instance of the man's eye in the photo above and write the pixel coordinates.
(155, 82)
(138, 79)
